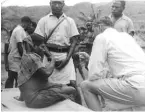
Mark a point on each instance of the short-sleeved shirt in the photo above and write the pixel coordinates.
(17, 36)
(30, 63)
(61, 36)
(123, 24)
(14, 57)
(124, 60)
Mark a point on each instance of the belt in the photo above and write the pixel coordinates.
(60, 49)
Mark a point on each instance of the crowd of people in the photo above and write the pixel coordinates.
(43, 59)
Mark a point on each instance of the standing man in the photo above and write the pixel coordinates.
(16, 51)
(126, 63)
(61, 43)
(121, 22)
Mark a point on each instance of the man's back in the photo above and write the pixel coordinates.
(124, 54)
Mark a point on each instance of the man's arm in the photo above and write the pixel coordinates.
(74, 34)
(20, 35)
(20, 48)
(98, 58)
(131, 28)
(45, 72)
(71, 50)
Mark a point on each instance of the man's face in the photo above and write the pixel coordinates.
(40, 49)
(117, 8)
(57, 6)
(26, 25)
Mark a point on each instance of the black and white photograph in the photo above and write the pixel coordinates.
(73, 55)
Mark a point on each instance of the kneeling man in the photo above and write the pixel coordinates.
(126, 61)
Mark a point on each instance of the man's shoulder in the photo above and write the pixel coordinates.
(18, 28)
(44, 18)
(69, 19)
(108, 33)
(126, 18)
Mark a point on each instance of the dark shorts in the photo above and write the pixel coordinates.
(48, 96)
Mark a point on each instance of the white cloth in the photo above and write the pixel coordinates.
(63, 76)
(61, 36)
(123, 55)
(14, 57)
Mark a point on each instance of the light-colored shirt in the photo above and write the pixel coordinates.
(14, 57)
(61, 36)
(18, 35)
(123, 24)
(123, 55)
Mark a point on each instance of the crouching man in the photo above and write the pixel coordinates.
(33, 83)
(126, 61)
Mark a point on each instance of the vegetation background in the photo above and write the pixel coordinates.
(10, 17)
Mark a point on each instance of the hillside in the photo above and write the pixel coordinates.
(134, 9)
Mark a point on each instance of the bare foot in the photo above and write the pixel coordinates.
(18, 98)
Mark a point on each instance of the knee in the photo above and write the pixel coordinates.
(85, 85)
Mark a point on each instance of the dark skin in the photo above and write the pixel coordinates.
(44, 73)
(57, 7)
(72, 48)
(6, 56)
(117, 10)
(20, 44)
(20, 48)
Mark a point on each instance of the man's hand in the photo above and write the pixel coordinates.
(62, 64)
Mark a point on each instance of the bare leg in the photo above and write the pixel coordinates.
(67, 89)
(91, 99)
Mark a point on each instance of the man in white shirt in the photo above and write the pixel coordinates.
(16, 51)
(61, 43)
(126, 61)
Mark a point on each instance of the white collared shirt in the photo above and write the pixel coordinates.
(62, 34)
(123, 55)
(123, 24)
(18, 35)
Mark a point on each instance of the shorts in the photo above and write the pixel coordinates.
(119, 91)
(48, 96)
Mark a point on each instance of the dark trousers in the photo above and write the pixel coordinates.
(10, 80)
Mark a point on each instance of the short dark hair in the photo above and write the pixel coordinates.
(37, 39)
(105, 20)
(26, 19)
(123, 2)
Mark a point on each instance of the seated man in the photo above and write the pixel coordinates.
(33, 83)
(126, 62)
